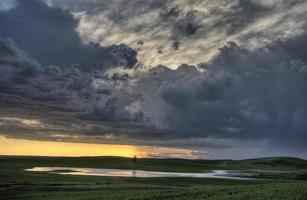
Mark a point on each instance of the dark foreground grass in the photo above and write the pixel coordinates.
(15, 183)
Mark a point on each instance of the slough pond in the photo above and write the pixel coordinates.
(223, 174)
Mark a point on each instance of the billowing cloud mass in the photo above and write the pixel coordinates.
(172, 32)
(49, 35)
(224, 78)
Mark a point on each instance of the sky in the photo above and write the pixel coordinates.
(212, 79)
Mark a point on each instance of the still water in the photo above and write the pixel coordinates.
(224, 174)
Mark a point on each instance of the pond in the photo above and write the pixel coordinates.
(223, 174)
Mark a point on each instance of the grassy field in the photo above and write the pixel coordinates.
(15, 183)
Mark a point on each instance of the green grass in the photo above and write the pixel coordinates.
(15, 183)
(173, 165)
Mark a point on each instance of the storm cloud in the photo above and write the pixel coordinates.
(204, 75)
(180, 31)
(49, 35)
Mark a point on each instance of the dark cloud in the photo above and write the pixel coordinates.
(203, 26)
(24, 81)
(294, 47)
(176, 45)
(49, 35)
(243, 95)
(193, 24)
(168, 13)
(246, 94)
(15, 62)
(187, 25)
(63, 99)
(241, 15)
(114, 111)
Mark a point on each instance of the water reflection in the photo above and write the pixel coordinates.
(224, 174)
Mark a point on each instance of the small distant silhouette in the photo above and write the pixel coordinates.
(134, 159)
(133, 173)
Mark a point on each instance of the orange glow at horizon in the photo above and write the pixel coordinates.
(50, 148)
(24, 147)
